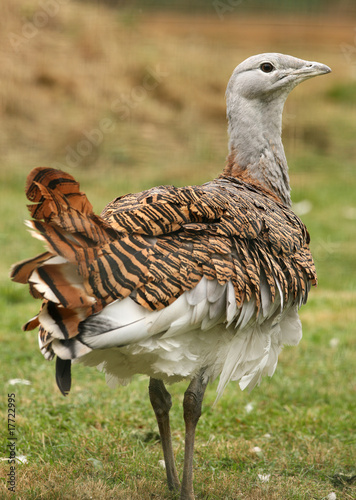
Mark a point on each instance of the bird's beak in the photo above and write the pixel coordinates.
(310, 69)
(306, 70)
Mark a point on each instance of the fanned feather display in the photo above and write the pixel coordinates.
(154, 246)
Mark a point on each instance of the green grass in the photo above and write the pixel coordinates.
(103, 443)
(104, 440)
(344, 93)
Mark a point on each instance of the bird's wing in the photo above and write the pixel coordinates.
(155, 245)
(224, 230)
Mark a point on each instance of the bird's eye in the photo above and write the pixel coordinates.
(267, 67)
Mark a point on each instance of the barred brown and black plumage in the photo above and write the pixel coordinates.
(191, 282)
(155, 245)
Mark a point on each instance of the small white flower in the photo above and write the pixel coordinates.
(97, 464)
(256, 449)
(302, 207)
(14, 381)
(249, 407)
(264, 478)
(334, 342)
(267, 435)
(350, 213)
(331, 496)
(162, 464)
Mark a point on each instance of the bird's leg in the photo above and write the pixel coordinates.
(192, 404)
(161, 402)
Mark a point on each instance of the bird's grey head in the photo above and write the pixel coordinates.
(270, 76)
(255, 97)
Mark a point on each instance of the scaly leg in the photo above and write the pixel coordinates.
(192, 404)
(161, 403)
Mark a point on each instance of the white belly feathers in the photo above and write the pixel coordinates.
(202, 328)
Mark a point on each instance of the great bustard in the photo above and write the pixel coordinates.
(180, 283)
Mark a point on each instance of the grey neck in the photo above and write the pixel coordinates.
(255, 129)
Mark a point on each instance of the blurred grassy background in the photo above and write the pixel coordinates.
(125, 96)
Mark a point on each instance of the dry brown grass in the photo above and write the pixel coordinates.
(69, 75)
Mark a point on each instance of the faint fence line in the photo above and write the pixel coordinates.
(123, 107)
